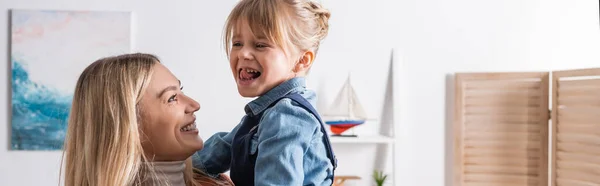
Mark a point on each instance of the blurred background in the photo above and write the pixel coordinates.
(399, 54)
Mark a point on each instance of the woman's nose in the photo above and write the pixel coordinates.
(193, 105)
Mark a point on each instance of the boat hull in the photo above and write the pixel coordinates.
(339, 126)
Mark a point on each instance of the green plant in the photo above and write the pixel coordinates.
(379, 177)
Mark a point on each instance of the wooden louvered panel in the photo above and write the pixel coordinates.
(576, 127)
(501, 129)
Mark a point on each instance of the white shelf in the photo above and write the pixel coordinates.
(366, 139)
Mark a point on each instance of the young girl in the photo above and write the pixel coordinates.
(130, 124)
(271, 45)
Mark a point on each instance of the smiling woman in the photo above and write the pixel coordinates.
(167, 118)
(131, 124)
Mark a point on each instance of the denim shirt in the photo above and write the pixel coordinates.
(288, 141)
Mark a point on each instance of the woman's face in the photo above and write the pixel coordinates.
(167, 119)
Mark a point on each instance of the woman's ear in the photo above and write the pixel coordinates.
(305, 62)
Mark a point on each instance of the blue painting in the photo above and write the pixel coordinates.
(49, 50)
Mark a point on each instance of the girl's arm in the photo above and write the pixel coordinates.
(215, 157)
(284, 136)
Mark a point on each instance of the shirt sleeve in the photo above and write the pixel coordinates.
(284, 136)
(215, 157)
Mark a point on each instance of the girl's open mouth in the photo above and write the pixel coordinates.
(246, 75)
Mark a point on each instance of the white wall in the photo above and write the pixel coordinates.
(186, 37)
(441, 37)
(436, 38)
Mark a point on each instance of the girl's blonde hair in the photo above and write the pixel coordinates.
(294, 25)
(102, 144)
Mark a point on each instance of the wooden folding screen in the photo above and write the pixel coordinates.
(501, 122)
(501, 128)
(576, 129)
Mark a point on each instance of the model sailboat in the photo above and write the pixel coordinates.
(346, 111)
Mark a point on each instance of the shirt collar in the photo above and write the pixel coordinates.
(261, 103)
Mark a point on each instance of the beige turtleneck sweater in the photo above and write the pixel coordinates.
(168, 171)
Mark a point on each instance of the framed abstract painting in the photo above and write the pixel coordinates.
(49, 49)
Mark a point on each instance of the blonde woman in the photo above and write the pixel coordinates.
(131, 124)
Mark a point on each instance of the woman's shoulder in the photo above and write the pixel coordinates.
(225, 178)
(221, 180)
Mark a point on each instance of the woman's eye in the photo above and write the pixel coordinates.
(172, 98)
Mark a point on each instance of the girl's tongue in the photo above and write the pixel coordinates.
(249, 74)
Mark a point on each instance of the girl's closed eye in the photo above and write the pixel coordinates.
(261, 45)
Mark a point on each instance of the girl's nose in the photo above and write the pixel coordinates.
(246, 53)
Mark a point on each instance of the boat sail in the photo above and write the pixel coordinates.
(345, 112)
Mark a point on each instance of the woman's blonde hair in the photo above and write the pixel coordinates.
(102, 144)
(294, 25)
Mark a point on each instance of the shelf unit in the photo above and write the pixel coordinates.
(343, 142)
